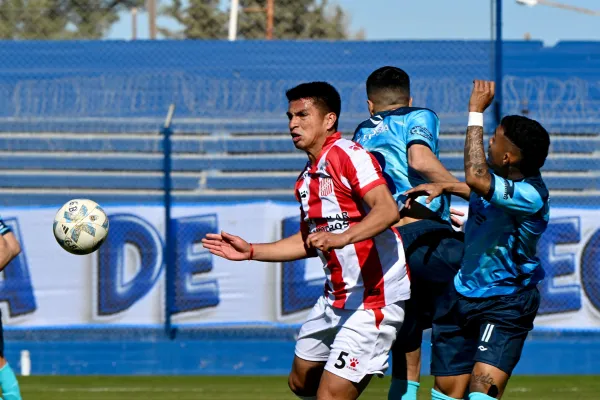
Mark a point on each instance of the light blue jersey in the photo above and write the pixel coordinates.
(388, 135)
(501, 236)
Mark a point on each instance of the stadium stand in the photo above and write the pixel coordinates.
(87, 125)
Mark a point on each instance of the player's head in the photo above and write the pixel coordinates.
(388, 88)
(313, 113)
(520, 143)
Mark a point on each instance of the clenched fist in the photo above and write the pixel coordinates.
(482, 95)
(326, 241)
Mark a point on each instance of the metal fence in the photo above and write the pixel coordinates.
(86, 119)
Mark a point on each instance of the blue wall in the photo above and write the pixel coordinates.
(219, 85)
(259, 351)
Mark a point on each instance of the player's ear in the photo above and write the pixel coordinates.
(371, 107)
(330, 119)
(410, 102)
(515, 158)
(508, 159)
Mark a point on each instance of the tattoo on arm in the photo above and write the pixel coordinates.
(476, 169)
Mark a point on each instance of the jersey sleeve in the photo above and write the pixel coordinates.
(362, 170)
(4, 229)
(515, 197)
(423, 128)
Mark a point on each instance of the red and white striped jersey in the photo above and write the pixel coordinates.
(364, 275)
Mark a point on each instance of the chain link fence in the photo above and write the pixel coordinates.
(83, 119)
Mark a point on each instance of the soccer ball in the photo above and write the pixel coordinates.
(80, 226)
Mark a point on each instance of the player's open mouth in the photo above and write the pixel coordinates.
(296, 137)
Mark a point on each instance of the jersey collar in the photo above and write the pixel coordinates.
(327, 145)
(330, 141)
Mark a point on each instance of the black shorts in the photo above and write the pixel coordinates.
(488, 330)
(434, 251)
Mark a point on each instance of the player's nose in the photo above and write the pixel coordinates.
(293, 124)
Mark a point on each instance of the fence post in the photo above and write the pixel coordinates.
(498, 63)
(169, 250)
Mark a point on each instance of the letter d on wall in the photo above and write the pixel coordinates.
(132, 245)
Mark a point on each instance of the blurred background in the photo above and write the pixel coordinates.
(175, 111)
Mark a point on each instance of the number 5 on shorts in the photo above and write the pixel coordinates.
(341, 362)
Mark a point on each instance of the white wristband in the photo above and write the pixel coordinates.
(475, 119)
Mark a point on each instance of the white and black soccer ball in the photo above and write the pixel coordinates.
(80, 226)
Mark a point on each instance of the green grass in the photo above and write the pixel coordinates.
(266, 388)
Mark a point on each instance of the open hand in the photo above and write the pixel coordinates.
(227, 246)
(431, 190)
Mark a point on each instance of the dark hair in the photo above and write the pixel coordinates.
(388, 85)
(325, 96)
(531, 138)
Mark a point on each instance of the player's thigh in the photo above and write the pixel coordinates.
(488, 379)
(334, 387)
(312, 349)
(434, 255)
(408, 342)
(305, 376)
(454, 345)
(504, 326)
(410, 335)
(362, 344)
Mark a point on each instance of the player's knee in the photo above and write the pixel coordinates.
(300, 387)
(336, 391)
(450, 387)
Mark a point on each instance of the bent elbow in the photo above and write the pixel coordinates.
(471, 181)
(479, 185)
(419, 164)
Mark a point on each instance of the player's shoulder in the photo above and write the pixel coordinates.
(344, 151)
(370, 123)
(345, 145)
(412, 112)
(537, 183)
(395, 114)
(419, 118)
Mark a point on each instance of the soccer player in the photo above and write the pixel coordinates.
(9, 249)
(404, 139)
(346, 214)
(478, 334)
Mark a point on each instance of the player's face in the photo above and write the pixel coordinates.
(501, 152)
(307, 124)
(495, 154)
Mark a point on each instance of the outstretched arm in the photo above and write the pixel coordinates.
(477, 174)
(237, 249)
(433, 190)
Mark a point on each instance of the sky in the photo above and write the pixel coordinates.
(439, 19)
